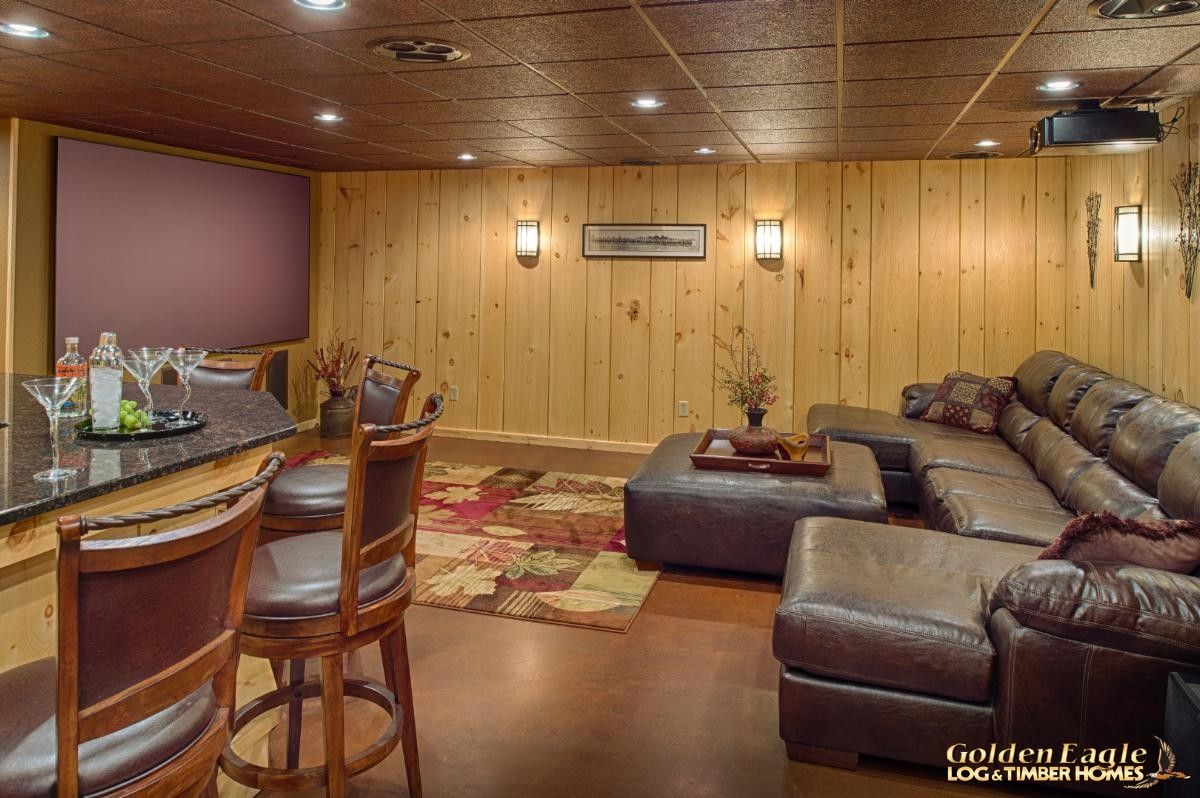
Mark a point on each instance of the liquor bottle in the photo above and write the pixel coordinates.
(104, 377)
(73, 364)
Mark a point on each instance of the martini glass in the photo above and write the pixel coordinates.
(143, 363)
(51, 393)
(184, 361)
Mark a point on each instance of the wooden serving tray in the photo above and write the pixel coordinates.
(716, 452)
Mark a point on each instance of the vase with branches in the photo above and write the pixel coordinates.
(332, 365)
(750, 388)
(1187, 188)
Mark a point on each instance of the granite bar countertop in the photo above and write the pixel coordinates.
(237, 421)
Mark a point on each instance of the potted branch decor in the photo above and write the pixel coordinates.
(1093, 233)
(332, 366)
(751, 389)
(1187, 187)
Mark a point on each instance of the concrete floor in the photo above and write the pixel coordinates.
(684, 704)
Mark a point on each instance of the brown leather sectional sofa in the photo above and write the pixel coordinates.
(899, 642)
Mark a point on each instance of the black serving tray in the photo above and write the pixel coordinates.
(163, 424)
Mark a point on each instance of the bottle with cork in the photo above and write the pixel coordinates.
(73, 364)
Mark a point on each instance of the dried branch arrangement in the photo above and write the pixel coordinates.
(1093, 232)
(334, 361)
(1187, 187)
(749, 385)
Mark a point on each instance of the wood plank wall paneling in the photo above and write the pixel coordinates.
(892, 272)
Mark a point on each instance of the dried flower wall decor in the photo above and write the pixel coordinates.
(1187, 187)
(1093, 232)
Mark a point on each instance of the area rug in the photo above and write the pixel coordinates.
(543, 546)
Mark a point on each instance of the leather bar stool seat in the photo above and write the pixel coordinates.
(311, 492)
(299, 577)
(28, 740)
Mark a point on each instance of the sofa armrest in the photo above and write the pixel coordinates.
(1128, 608)
(917, 398)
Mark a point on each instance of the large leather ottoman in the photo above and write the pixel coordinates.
(679, 514)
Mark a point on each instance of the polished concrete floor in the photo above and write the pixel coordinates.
(684, 704)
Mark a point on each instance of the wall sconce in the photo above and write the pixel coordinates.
(1127, 233)
(768, 239)
(528, 239)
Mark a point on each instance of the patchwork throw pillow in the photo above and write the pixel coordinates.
(969, 401)
(1103, 537)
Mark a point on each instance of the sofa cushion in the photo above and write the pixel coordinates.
(891, 606)
(1100, 409)
(992, 459)
(1015, 422)
(982, 517)
(1101, 489)
(1021, 492)
(970, 401)
(1146, 435)
(1037, 375)
(915, 398)
(1179, 485)
(1057, 458)
(887, 435)
(1168, 545)
(1069, 390)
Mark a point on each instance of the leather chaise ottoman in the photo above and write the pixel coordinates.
(679, 514)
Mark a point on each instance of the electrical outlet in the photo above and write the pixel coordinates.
(453, 393)
(683, 409)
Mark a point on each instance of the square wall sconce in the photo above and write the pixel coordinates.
(528, 239)
(1127, 233)
(768, 239)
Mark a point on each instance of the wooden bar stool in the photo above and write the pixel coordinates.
(246, 375)
(313, 498)
(147, 657)
(323, 594)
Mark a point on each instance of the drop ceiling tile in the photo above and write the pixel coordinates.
(929, 58)
(536, 156)
(256, 95)
(573, 162)
(1113, 49)
(776, 120)
(675, 101)
(955, 89)
(14, 88)
(356, 14)
(473, 130)
(1014, 111)
(275, 57)
(488, 9)
(777, 97)
(484, 82)
(386, 133)
(892, 133)
(611, 154)
(796, 136)
(595, 142)
(167, 21)
(622, 74)
(149, 64)
(42, 73)
(436, 112)
(358, 43)
(592, 126)
(763, 67)
(694, 138)
(1172, 80)
(901, 150)
(745, 25)
(67, 34)
(722, 150)
(904, 20)
(360, 148)
(495, 145)
(1096, 83)
(350, 116)
(550, 106)
(613, 33)
(161, 101)
(901, 114)
(372, 89)
(794, 148)
(1192, 57)
(1011, 135)
(434, 149)
(669, 123)
(1075, 17)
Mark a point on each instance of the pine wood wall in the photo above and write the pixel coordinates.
(892, 272)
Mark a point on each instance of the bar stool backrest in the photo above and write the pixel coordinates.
(246, 375)
(382, 398)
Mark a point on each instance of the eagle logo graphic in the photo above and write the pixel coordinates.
(1166, 768)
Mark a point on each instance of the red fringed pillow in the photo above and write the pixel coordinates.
(1166, 545)
(969, 401)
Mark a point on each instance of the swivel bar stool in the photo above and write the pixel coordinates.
(323, 594)
(144, 696)
(313, 498)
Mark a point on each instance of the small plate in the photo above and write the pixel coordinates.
(163, 424)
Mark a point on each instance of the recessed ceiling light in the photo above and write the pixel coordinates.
(27, 31)
(466, 156)
(704, 151)
(1059, 85)
(647, 102)
(322, 5)
(987, 143)
(327, 117)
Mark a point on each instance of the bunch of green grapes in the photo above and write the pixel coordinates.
(133, 419)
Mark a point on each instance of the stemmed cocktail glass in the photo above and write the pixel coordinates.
(143, 363)
(52, 393)
(184, 361)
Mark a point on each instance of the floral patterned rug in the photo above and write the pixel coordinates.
(545, 546)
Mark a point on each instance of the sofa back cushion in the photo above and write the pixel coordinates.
(1037, 375)
(1101, 489)
(1146, 435)
(1015, 422)
(1069, 389)
(1100, 409)
(1056, 456)
(1179, 485)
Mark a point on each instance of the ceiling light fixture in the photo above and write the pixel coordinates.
(987, 143)
(26, 31)
(328, 117)
(1058, 85)
(647, 102)
(1141, 9)
(466, 156)
(322, 5)
(704, 151)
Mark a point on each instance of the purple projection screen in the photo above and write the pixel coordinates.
(170, 251)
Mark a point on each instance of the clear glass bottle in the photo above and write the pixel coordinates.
(73, 364)
(106, 366)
